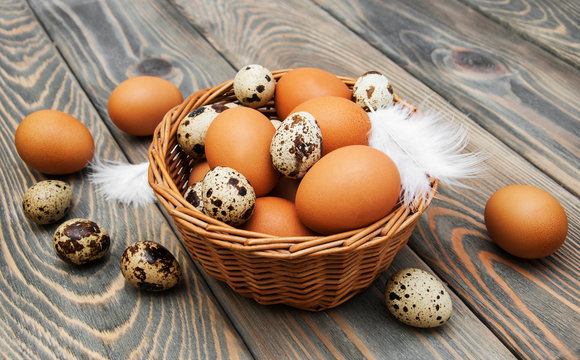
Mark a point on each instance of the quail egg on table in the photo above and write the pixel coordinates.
(296, 145)
(148, 265)
(254, 85)
(47, 201)
(192, 128)
(79, 241)
(373, 88)
(417, 298)
(227, 196)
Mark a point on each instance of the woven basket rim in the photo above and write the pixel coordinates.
(163, 151)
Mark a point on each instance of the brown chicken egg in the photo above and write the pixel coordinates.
(349, 188)
(198, 171)
(342, 122)
(276, 216)
(302, 84)
(285, 188)
(138, 104)
(240, 138)
(54, 142)
(526, 221)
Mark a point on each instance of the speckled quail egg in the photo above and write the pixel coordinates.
(276, 123)
(193, 195)
(192, 128)
(374, 88)
(227, 196)
(254, 85)
(47, 201)
(417, 298)
(148, 265)
(296, 145)
(80, 241)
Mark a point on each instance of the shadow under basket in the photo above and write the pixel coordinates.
(311, 273)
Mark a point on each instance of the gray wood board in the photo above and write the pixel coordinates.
(520, 93)
(553, 25)
(49, 309)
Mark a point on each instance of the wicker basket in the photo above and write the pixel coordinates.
(311, 273)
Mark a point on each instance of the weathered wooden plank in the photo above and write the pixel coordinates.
(518, 92)
(271, 332)
(554, 25)
(283, 34)
(363, 328)
(105, 46)
(49, 309)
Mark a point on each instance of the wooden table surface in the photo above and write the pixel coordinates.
(508, 70)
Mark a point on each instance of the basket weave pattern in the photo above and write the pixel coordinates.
(311, 273)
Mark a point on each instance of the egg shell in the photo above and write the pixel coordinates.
(198, 172)
(138, 104)
(47, 201)
(240, 138)
(341, 121)
(372, 88)
(227, 196)
(80, 241)
(148, 265)
(54, 142)
(285, 188)
(526, 221)
(193, 128)
(349, 188)
(296, 145)
(254, 85)
(418, 299)
(299, 85)
(194, 195)
(276, 216)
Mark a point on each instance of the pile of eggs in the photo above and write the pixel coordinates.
(309, 170)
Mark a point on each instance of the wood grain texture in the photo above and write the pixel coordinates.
(518, 92)
(106, 42)
(362, 328)
(49, 309)
(554, 25)
(281, 34)
(271, 332)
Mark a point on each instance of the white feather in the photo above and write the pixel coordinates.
(126, 183)
(423, 144)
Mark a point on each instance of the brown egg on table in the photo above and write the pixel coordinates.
(240, 138)
(54, 142)
(341, 121)
(138, 104)
(347, 189)
(148, 265)
(276, 216)
(526, 221)
(302, 84)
